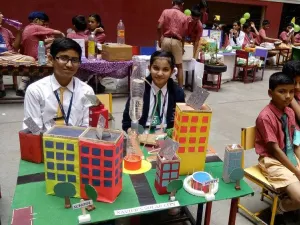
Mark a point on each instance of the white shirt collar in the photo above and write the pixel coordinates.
(155, 89)
(55, 85)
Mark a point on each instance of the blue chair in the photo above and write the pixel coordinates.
(296, 53)
(147, 50)
(263, 54)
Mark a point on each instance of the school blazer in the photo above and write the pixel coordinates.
(175, 94)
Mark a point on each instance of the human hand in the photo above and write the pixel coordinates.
(99, 30)
(252, 25)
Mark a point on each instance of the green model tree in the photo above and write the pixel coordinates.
(65, 190)
(92, 194)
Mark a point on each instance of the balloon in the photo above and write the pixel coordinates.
(242, 20)
(293, 20)
(247, 15)
(297, 28)
(187, 12)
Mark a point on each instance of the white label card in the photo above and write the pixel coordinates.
(100, 126)
(82, 204)
(146, 208)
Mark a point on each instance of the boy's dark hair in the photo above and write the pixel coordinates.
(64, 44)
(196, 11)
(279, 78)
(292, 68)
(178, 2)
(98, 19)
(290, 25)
(266, 22)
(79, 22)
(38, 15)
(163, 54)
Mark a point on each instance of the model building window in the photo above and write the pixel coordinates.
(167, 167)
(72, 178)
(85, 171)
(50, 165)
(70, 167)
(117, 150)
(70, 147)
(96, 173)
(60, 156)
(59, 146)
(108, 153)
(85, 181)
(107, 164)
(165, 183)
(70, 157)
(116, 181)
(61, 177)
(175, 166)
(116, 172)
(117, 161)
(50, 155)
(174, 175)
(51, 176)
(107, 183)
(60, 166)
(166, 175)
(85, 150)
(96, 182)
(95, 162)
(107, 174)
(96, 151)
(49, 144)
(84, 160)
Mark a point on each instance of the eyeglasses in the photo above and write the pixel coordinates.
(65, 59)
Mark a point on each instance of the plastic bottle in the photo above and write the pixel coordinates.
(91, 47)
(41, 53)
(121, 33)
(14, 23)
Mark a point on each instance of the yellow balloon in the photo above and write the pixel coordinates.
(293, 20)
(297, 28)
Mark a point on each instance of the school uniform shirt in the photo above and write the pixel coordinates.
(239, 40)
(8, 38)
(195, 29)
(174, 23)
(260, 38)
(284, 37)
(174, 94)
(297, 38)
(269, 128)
(31, 36)
(163, 100)
(100, 37)
(41, 104)
(248, 38)
(78, 35)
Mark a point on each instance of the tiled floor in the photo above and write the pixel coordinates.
(236, 105)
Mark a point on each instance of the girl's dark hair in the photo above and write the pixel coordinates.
(163, 54)
(239, 24)
(98, 19)
(246, 26)
(64, 44)
(266, 22)
(79, 22)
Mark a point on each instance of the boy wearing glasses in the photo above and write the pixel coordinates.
(59, 97)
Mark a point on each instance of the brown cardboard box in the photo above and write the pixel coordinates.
(116, 52)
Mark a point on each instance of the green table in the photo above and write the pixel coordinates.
(137, 190)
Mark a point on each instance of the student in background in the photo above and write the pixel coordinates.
(249, 39)
(95, 25)
(171, 31)
(292, 68)
(195, 29)
(32, 34)
(161, 68)
(61, 96)
(9, 48)
(80, 26)
(262, 37)
(275, 129)
(296, 40)
(236, 35)
(287, 36)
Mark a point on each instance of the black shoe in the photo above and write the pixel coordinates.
(20, 93)
(2, 94)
